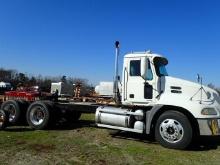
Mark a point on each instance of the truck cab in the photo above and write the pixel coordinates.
(142, 77)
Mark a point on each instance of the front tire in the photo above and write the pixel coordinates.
(173, 130)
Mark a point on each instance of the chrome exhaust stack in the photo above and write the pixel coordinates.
(116, 78)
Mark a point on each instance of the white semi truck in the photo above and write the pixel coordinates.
(147, 101)
(152, 102)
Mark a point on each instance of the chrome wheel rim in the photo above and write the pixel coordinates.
(2, 119)
(37, 115)
(12, 112)
(171, 131)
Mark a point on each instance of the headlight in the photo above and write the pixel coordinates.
(209, 111)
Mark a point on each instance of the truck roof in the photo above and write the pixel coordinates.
(142, 54)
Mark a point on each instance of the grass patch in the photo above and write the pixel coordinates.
(86, 144)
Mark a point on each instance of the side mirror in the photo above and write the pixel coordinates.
(144, 67)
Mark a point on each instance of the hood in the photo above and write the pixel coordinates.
(190, 90)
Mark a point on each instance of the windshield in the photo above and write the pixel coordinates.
(160, 64)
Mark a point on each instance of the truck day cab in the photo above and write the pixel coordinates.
(151, 102)
(147, 101)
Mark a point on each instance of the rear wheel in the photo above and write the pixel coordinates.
(173, 130)
(13, 109)
(3, 119)
(39, 115)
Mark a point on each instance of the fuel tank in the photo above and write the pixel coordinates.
(114, 116)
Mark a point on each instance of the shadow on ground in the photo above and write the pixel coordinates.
(202, 143)
(57, 126)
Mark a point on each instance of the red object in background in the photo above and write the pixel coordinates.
(29, 94)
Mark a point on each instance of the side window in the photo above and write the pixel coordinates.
(149, 72)
(135, 69)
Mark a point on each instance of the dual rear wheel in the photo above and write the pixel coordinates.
(38, 115)
(43, 114)
(16, 110)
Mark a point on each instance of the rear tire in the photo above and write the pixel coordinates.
(13, 109)
(39, 115)
(3, 119)
(173, 130)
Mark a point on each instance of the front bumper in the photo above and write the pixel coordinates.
(209, 127)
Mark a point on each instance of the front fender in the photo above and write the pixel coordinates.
(193, 106)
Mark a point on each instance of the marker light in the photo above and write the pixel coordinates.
(209, 111)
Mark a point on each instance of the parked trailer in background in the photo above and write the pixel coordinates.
(146, 101)
(4, 86)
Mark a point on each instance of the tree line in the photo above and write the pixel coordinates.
(44, 82)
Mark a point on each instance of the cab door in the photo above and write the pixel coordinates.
(139, 90)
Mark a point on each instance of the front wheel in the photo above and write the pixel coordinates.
(173, 130)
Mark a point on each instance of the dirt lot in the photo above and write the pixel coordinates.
(82, 143)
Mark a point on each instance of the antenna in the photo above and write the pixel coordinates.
(198, 78)
(201, 89)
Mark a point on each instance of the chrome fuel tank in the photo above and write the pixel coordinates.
(112, 116)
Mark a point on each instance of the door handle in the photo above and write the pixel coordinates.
(131, 95)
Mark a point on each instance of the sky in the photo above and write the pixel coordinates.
(76, 37)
